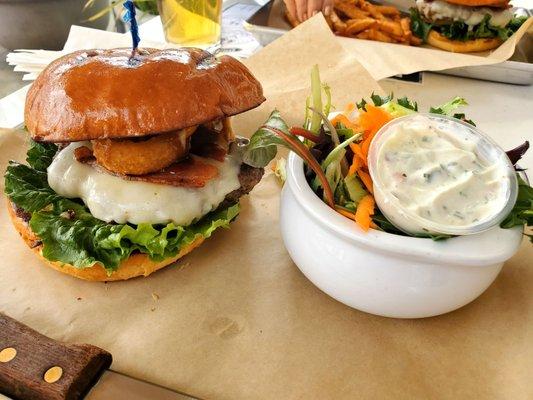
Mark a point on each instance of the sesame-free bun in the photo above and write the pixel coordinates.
(435, 39)
(99, 94)
(136, 265)
(480, 3)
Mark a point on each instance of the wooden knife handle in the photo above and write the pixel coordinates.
(33, 366)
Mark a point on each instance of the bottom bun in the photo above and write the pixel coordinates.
(136, 265)
(435, 39)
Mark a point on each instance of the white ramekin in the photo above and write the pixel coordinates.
(381, 273)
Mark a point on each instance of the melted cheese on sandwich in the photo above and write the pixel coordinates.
(440, 10)
(111, 198)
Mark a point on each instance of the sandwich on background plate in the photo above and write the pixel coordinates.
(133, 162)
(464, 26)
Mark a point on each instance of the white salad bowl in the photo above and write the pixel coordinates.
(382, 273)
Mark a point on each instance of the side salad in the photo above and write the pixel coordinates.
(335, 145)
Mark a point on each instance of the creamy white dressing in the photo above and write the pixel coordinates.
(111, 198)
(435, 170)
(438, 9)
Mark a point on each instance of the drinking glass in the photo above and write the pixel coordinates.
(194, 23)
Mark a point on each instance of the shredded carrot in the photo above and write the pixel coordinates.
(345, 213)
(349, 108)
(369, 122)
(343, 119)
(357, 163)
(364, 212)
(373, 119)
(357, 150)
(367, 180)
(365, 145)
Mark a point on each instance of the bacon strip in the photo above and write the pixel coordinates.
(190, 173)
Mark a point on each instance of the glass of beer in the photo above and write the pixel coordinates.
(194, 23)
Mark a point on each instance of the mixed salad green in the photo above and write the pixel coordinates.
(335, 146)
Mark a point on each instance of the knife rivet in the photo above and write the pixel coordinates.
(53, 374)
(7, 354)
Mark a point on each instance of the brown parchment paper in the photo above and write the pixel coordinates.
(384, 60)
(237, 320)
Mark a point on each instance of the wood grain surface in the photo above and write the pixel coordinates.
(23, 377)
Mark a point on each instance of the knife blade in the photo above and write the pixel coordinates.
(113, 385)
(33, 366)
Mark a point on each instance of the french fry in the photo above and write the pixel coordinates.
(370, 8)
(363, 20)
(415, 40)
(293, 21)
(388, 10)
(380, 36)
(329, 22)
(338, 24)
(391, 27)
(349, 10)
(359, 25)
(406, 25)
(363, 35)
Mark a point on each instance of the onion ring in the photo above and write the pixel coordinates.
(134, 157)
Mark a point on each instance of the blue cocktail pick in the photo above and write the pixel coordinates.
(129, 16)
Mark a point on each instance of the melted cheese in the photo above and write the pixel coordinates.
(111, 198)
(472, 16)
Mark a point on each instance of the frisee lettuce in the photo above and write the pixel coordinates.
(70, 234)
(403, 106)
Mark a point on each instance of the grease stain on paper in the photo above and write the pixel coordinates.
(224, 327)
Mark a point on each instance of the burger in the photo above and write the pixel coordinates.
(133, 161)
(464, 26)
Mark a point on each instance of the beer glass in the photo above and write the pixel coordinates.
(194, 23)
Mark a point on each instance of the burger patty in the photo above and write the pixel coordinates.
(248, 177)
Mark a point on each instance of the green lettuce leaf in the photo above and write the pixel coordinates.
(40, 155)
(458, 30)
(449, 107)
(263, 144)
(396, 110)
(361, 105)
(522, 212)
(405, 102)
(70, 234)
(419, 27)
(380, 100)
(28, 188)
(516, 23)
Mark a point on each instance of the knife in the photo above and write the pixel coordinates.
(33, 366)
